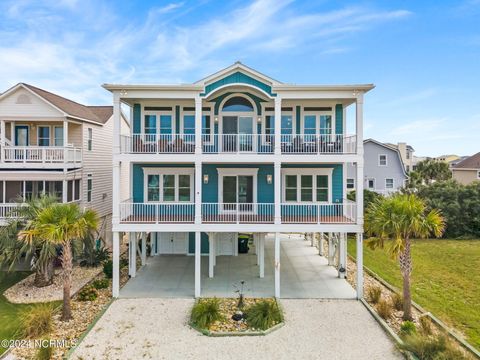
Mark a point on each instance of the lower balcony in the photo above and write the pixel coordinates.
(237, 213)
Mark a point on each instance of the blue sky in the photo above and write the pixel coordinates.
(423, 56)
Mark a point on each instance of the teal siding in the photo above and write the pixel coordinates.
(138, 179)
(238, 78)
(265, 192)
(339, 119)
(337, 177)
(204, 245)
(297, 119)
(177, 119)
(137, 121)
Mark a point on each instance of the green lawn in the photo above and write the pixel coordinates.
(9, 312)
(445, 280)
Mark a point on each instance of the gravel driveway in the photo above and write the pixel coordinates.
(314, 329)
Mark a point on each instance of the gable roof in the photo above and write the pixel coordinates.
(96, 114)
(389, 147)
(471, 162)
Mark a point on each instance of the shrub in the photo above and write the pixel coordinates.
(101, 284)
(108, 268)
(397, 301)
(88, 293)
(432, 348)
(37, 320)
(384, 309)
(263, 315)
(44, 353)
(205, 312)
(425, 325)
(374, 294)
(408, 328)
(94, 257)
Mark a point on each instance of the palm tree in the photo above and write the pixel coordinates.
(12, 250)
(62, 224)
(400, 218)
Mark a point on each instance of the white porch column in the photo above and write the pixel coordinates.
(359, 265)
(198, 276)
(320, 244)
(198, 192)
(132, 251)
(144, 248)
(342, 263)
(2, 141)
(64, 191)
(359, 123)
(116, 264)
(198, 125)
(12, 133)
(278, 192)
(330, 249)
(277, 265)
(278, 125)
(116, 163)
(359, 193)
(65, 132)
(215, 237)
(211, 255)
(360, 181)
(261, 239)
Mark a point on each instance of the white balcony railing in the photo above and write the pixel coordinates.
(158, 143)
(43, 154)
(157, 213)
(238, 213)
(318, 144)
(237, 143)
(343, 213)
(8, 211)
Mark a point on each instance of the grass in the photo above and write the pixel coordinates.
(10, 314)
(445, 280)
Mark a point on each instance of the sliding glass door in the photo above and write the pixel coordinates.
(238, 191)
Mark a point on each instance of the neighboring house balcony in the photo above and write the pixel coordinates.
(238, 213)
(291, 144)
(40, 145)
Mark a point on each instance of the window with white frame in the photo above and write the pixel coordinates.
(169, 185)
(90, 139)
(382, 160)
(350, 183)
(73, 190)
(389, 183)
(371, 184)
(318, 122)
(157, 120)
(43, 136)
(302, 185)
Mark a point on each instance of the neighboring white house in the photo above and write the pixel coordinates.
(234, 152)
(384, 171)
(49, 144)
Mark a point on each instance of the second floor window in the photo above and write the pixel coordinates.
(189, 124)
(43, 136)
(313, 188)
(169, 187)
(382, 160)
(90, 139)
(58, 134)
(371, 183)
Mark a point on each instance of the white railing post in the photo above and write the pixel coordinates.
(198, 124)
(278, 125)
(198, 192)
(277, 190)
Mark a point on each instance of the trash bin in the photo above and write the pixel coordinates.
(243, 244)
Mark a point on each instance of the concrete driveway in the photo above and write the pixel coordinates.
(314, 329)
(304, 274)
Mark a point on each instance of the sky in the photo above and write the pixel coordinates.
(423, 56)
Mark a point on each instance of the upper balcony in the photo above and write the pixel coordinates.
(41, 145)
(261, 144)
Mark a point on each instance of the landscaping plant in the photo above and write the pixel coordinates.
(397, 301)
(399, 218)
(101, 284)
(36, 321)
(205, 312)
(408, 328)
(88, 293)
(425, 325)
(384, 309)
(108, 268)
(44, 353)
(61, 224)
(374, 294)
(432, 348)
(13, 249)
(263, 315)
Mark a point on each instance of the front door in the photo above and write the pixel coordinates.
(230, 131)
(238, 190)
(21, 135)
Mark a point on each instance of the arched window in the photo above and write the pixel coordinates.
(237, 103)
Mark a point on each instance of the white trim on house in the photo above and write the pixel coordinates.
(353, 184)
(317, 115)
(307, 171)
(161, 171)
(157, 114)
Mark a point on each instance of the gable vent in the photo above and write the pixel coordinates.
(23, 99)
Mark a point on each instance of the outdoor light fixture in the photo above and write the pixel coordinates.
(216, 119)
(269, 179)
(205, 178)
(259, 119)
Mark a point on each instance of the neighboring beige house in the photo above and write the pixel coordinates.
(468, 170)
(447, 158)
(406, 152)
(49, 144)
